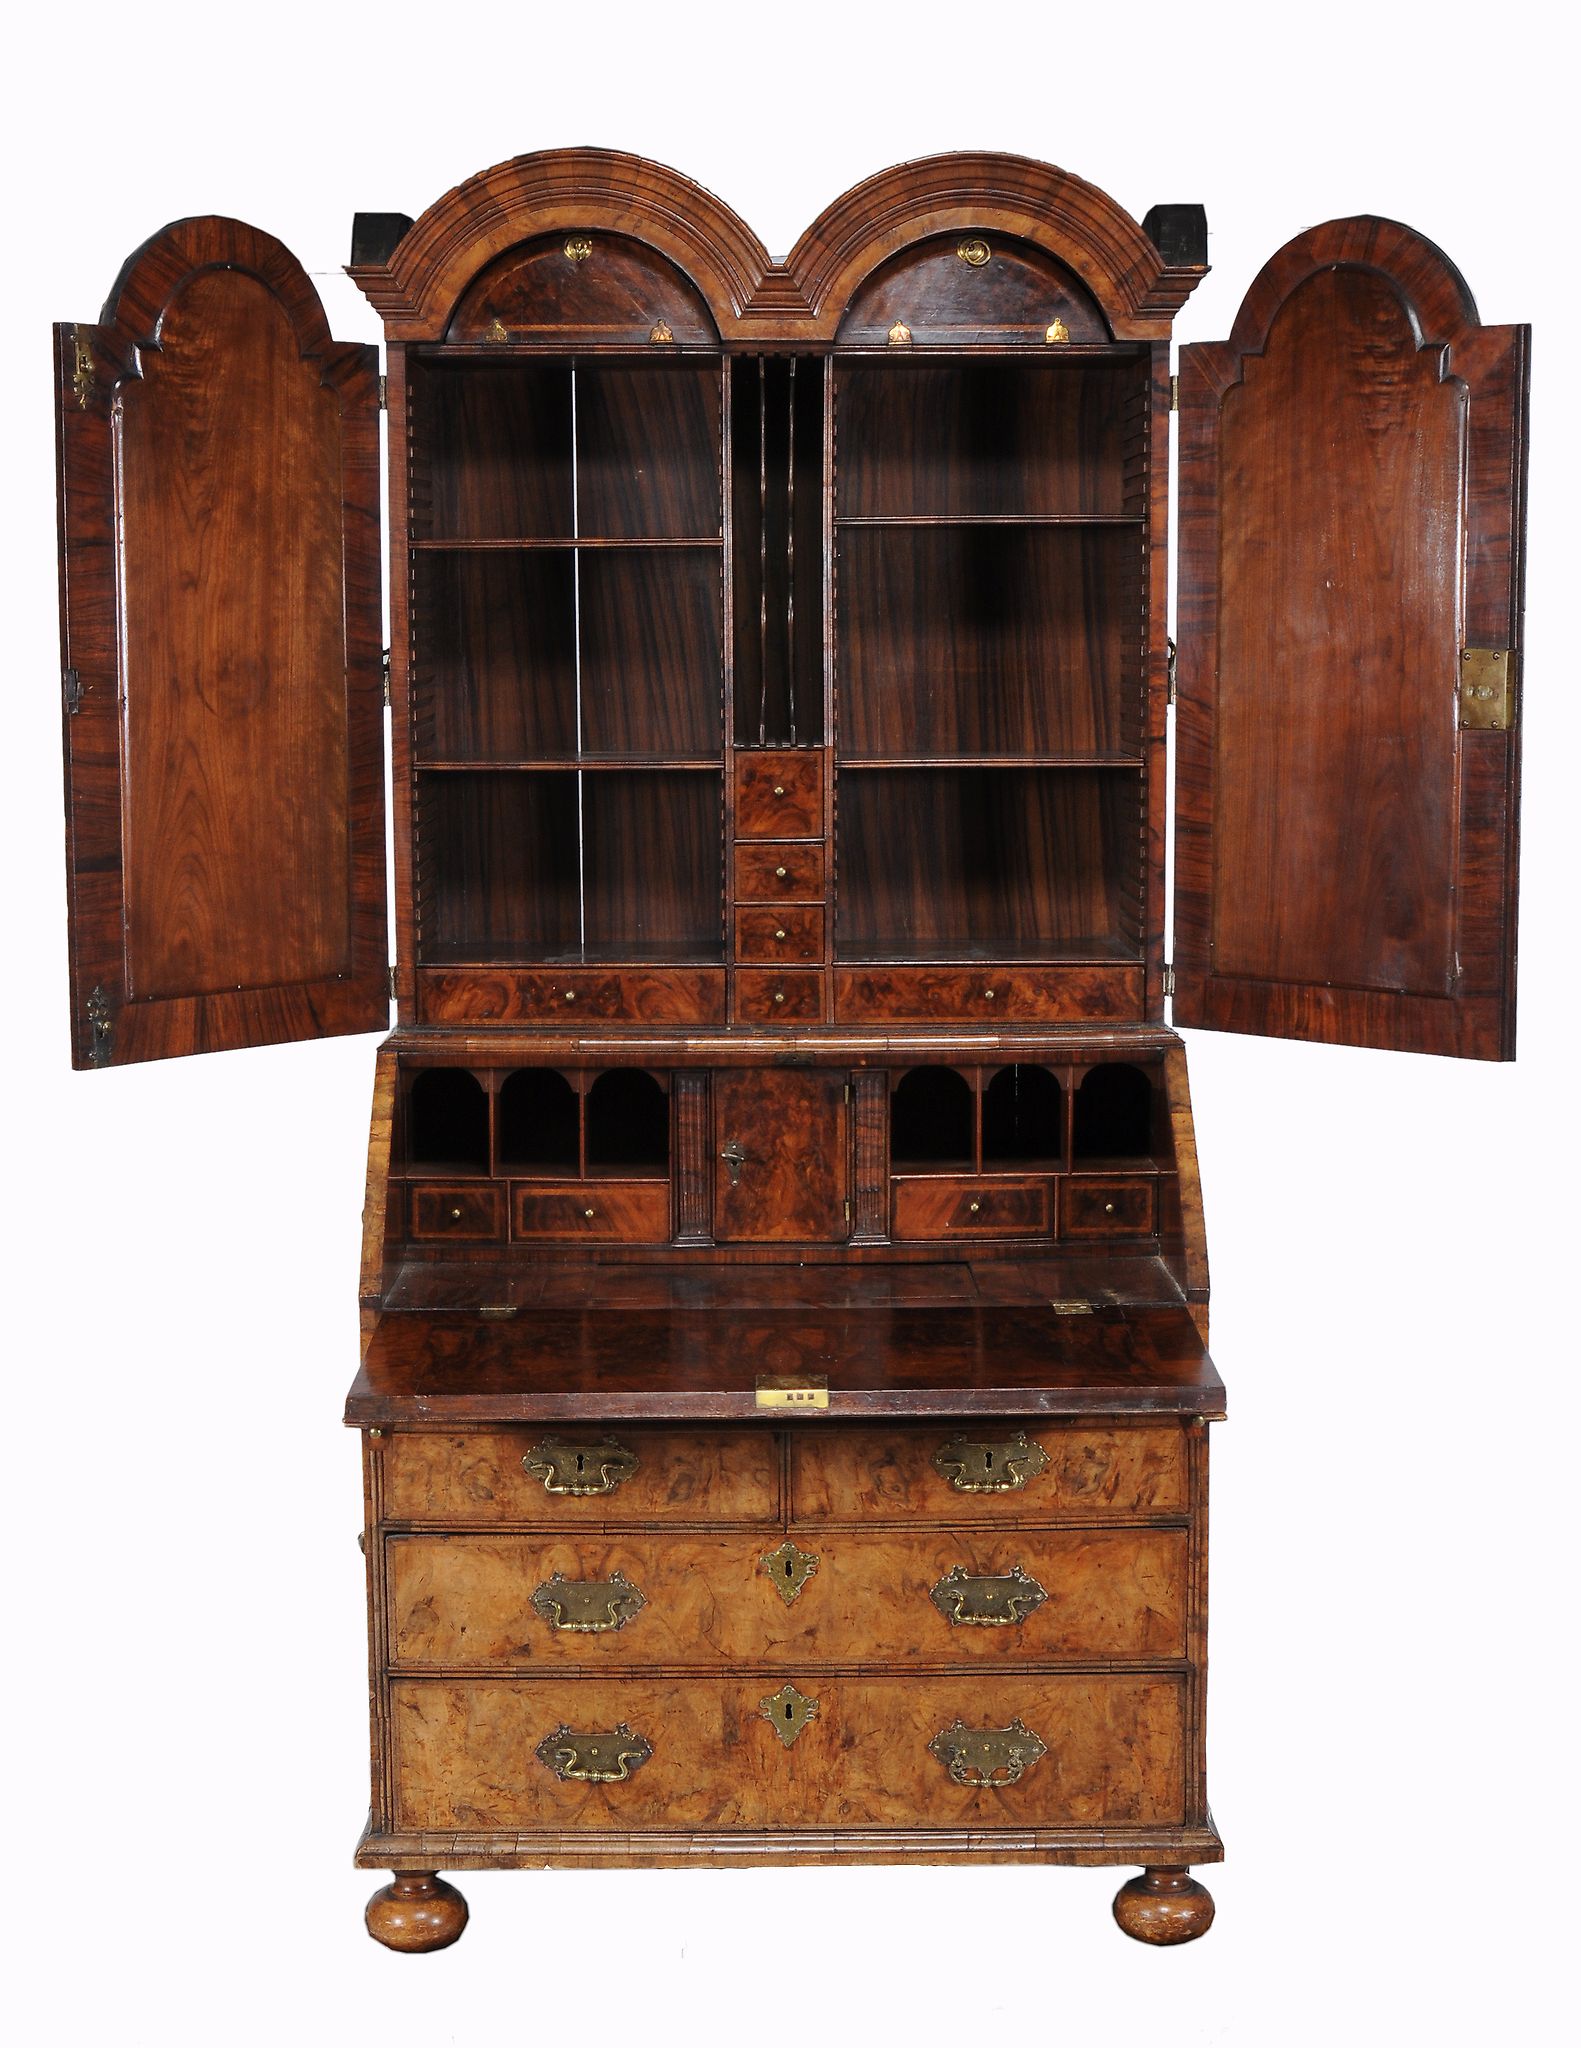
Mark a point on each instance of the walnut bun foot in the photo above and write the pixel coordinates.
(415, 1912)
(1163, 1907)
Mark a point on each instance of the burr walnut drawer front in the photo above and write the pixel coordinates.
(1117, 1206)
(937, 1207)
(845, 1597)
(988, 1472)
(759, 1750)
(466, 1212)
(779, 796)
(766, 997)
(779, 871)
(566, 1476)
(635, 1213)
(791, 935)
(981, 995)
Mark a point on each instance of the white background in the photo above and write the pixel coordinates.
(1393, 1717)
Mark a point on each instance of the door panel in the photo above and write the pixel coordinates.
(781, 1157)
(1352, 465)
(221, 632)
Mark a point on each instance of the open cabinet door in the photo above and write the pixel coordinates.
(1352, 472)
(220, 622)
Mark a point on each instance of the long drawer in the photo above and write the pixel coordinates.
(563, 1477)
(984, 1751)
(848, 1597)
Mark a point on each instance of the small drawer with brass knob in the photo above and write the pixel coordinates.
(771, 871)
(779, 795)
(764, 997)
(469, 1214)
(629, 1212)
(791, 934)
(931, 1206)
(1109, 1205)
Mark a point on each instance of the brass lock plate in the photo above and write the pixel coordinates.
(990, 1464)
(788, 1712)
(988, 1756)
(987, 1600)
(595, 1758)
(588, 1607)
(1486, 700)
(581, 1468)
(788, 1569)
(793, 1390)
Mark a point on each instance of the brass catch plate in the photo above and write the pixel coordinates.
(987, 1600)
(988, 1756)
(788, 1712)
(793, 1390)
(1486, 702)
(990, 1465)
(588, 1607)
(598, 1758)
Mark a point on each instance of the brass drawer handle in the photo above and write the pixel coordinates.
(780, 873)
(988, 1756)
(588, 1607)
(780, 934)
(1002, 1465)
(594, 1759)
(581, 1468)
(980, 1600)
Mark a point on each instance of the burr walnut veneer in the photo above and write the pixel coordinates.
(784, 1393)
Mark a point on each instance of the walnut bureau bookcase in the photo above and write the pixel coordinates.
(784, 1391)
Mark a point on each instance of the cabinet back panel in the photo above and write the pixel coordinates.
(491, 450)
(494, 640)
(777, 514)
(652, 667)
(653, 866)
(498, 867)
(648, 450)
(940, 297)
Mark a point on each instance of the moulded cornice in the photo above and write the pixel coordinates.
(154, 274)
(1435, 296)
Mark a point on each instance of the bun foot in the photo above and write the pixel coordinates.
(417, 1911)
(1163, 1907)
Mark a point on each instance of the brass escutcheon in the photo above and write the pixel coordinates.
(661, 334)
(595, 1759)
(581, 1468)
(578, 248)
(900, 335)
(987, 1756)
(788, 1568)
(980, 1600)
(497, 330)
(1056, 332)
(974, 250)
(1000, 1465)
(588, 1607)
(788, 1712)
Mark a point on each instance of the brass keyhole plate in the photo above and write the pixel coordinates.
(788, 1569)
(788, 1712)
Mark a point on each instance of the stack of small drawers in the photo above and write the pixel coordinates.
(780, 877)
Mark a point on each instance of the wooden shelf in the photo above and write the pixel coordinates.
(563, 543)
(990, 519)
(858, 762)
(559, 764)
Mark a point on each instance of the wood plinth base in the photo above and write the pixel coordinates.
(417, 1911)
(1164, 1906)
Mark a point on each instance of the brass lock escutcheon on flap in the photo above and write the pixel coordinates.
(788, 1712)
(997, 1465)
(596, 1759)
(788, 1569)
(988, 1756)
(735, 1158)
(581, 1468)
(980, 1600)
(1485, 700)
(588, 1607)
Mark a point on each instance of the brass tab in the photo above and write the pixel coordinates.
(974, 251)
(997, 1465)
(900, 335)
(788, 1569)
(788, 1712)
(580, 1468)
(977, 1600)
(1056, 332)
(987, 1756)
(1070, 1305)
(578, 248)
(588, 1607)
(793, 1390)
(1486, 703)
(597, 1759)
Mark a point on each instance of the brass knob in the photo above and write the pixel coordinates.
(779, 789)
(781, 873)
(588, 1213)
(975, 1207)
(455, 1215)
(988, 995)
(1108, 1208)
(570, 995)
(779, 995)
(779, 934)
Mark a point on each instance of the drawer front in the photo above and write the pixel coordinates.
(779, 871)
(869, 1475)
(764, 997)
(792, 934)
(936, 1208)
(702, 1753)
(779, 796)
(1117, 1207)
(985, 995)
(631, 995)
(466, 1211)
(607, 1211)
(858, 1598)
(662, 1475)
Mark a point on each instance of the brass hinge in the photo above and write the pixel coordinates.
(384, 665)
(1486, 701)
(1171, 666)
(384, 394)
(71, 690)
(1174, 394)
(848, 1211)
(1169, 977)
(393, 972)
(101, 1028)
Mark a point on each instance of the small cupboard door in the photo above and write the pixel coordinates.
(220, 621)
(782, 1147)
(1352, 473)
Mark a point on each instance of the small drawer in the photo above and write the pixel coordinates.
(627, 1212)
(464, 1211)
(986, 995)
(794, 933)
(936, 1208)
(1109, 1207)
(764, 997)
(778, 868)
(779, 796)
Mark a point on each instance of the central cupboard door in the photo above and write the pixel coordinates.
(781, 1150)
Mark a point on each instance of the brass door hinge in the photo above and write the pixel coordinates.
(71, 690)
(1169, 977)
(384, 394)
(1171, 668)
(384, 669)
(394, 971)
(1174, 394)
(1486, 701)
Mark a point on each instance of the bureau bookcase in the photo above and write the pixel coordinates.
(784, 1390)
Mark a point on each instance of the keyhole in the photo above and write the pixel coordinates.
(988, 1461)
(789, 1712)
(580, 1462)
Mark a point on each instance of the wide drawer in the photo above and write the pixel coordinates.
(985, 995)
(779, 796)
(886, 1599)
(778, 871)
(984, 1751)
(630, 1475)
(940, 1207)
(792, 934)
(1119, 1206)
(988, 1471)
(630, 1213)
(466, 1211)
(563, 998)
